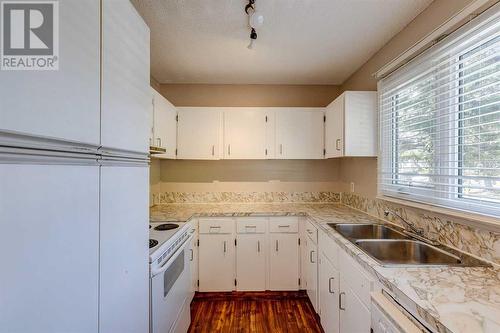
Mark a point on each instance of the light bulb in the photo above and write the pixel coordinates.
(250, 46)
(256, 20)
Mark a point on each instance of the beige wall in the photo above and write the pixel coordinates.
(249, 95)
(363, 171)
(249, 175)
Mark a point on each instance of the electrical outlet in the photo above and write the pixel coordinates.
(352, 186)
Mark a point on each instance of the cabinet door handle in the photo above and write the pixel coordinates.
(258, 246)
(337, 144)
(311, 257)
(192, 255)
(213, 150)
(281, 149)
(277, 248)
(283, 226)
(330, 285)
(224, 246)
(340, 301)
(228, 150)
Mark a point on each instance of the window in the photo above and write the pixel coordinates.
(440, 122)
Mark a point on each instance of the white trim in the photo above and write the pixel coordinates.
(488, 222)
(424, 43)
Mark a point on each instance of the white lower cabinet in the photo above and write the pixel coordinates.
(354, 315)
(283, 261)
(328, 295)
(216, 262)
(251, 262)
(193, 249)
(311, 277)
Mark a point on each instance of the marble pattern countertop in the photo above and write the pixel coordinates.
(449, 299)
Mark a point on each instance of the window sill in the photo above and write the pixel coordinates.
(491, 223)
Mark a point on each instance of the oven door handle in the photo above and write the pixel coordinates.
(166, 265)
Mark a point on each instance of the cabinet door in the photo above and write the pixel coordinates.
(193, 257)
(61, 104)
(251, 262)
(49, 215)
(354, 316)
(125, 87)
(165, 126)
(245, 133)
(328, 295)
(216, 262)
(283, 262)
(312, 274)
(360, 123)
(198, 133)
(334, 128)
(299, 133)
(124, 251)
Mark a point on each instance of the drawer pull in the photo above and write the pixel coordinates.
(214, 229)
(330, 285)
(283, 226)
(340, 301)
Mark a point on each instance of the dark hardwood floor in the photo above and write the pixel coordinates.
(253, 312)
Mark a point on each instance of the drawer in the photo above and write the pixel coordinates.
(329, 248)
(311, 231)
(358, 280)
(285, 224)
(251, 225)
(216, 225)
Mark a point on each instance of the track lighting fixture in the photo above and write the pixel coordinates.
(255, 20)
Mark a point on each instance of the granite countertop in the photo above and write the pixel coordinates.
(450, 299)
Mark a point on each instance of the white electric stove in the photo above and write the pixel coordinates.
(170, 276)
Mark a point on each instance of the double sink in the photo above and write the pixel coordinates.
(391, 247)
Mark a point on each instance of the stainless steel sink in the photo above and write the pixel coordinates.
(391, 247)
(407, 252)
(367, 231)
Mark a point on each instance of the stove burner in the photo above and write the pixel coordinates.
(153, 243)
(166, 226)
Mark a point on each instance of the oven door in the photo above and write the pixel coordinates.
(170, 287)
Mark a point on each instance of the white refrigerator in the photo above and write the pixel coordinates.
(74, 179)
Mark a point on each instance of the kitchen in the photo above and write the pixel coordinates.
(250, 166)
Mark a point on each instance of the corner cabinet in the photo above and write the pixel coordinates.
(164, 126)
(351, 125)
(299, 133)
(199, 132)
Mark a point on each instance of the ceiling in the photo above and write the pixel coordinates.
(301, 41)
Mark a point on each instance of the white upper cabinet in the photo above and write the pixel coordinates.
(199, 133)
(299, 133)
(164, 126)
(126, 94)
(247, 133)
(60, 104)
(351, 125)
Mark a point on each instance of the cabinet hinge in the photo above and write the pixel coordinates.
(299, 281)
(299, 241)
(198, 242)
(324, 152)
(235, 242)
(175, 151)
(266, 119)
(266, 152)
(235, 282)
(324, 119)
(177, 118)
(198, 283)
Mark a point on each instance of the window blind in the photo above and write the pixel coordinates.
(440, 122)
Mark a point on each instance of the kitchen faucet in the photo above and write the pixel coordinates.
(413, 230)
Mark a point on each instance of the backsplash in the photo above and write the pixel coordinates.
(445, 229)
(239, 197)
